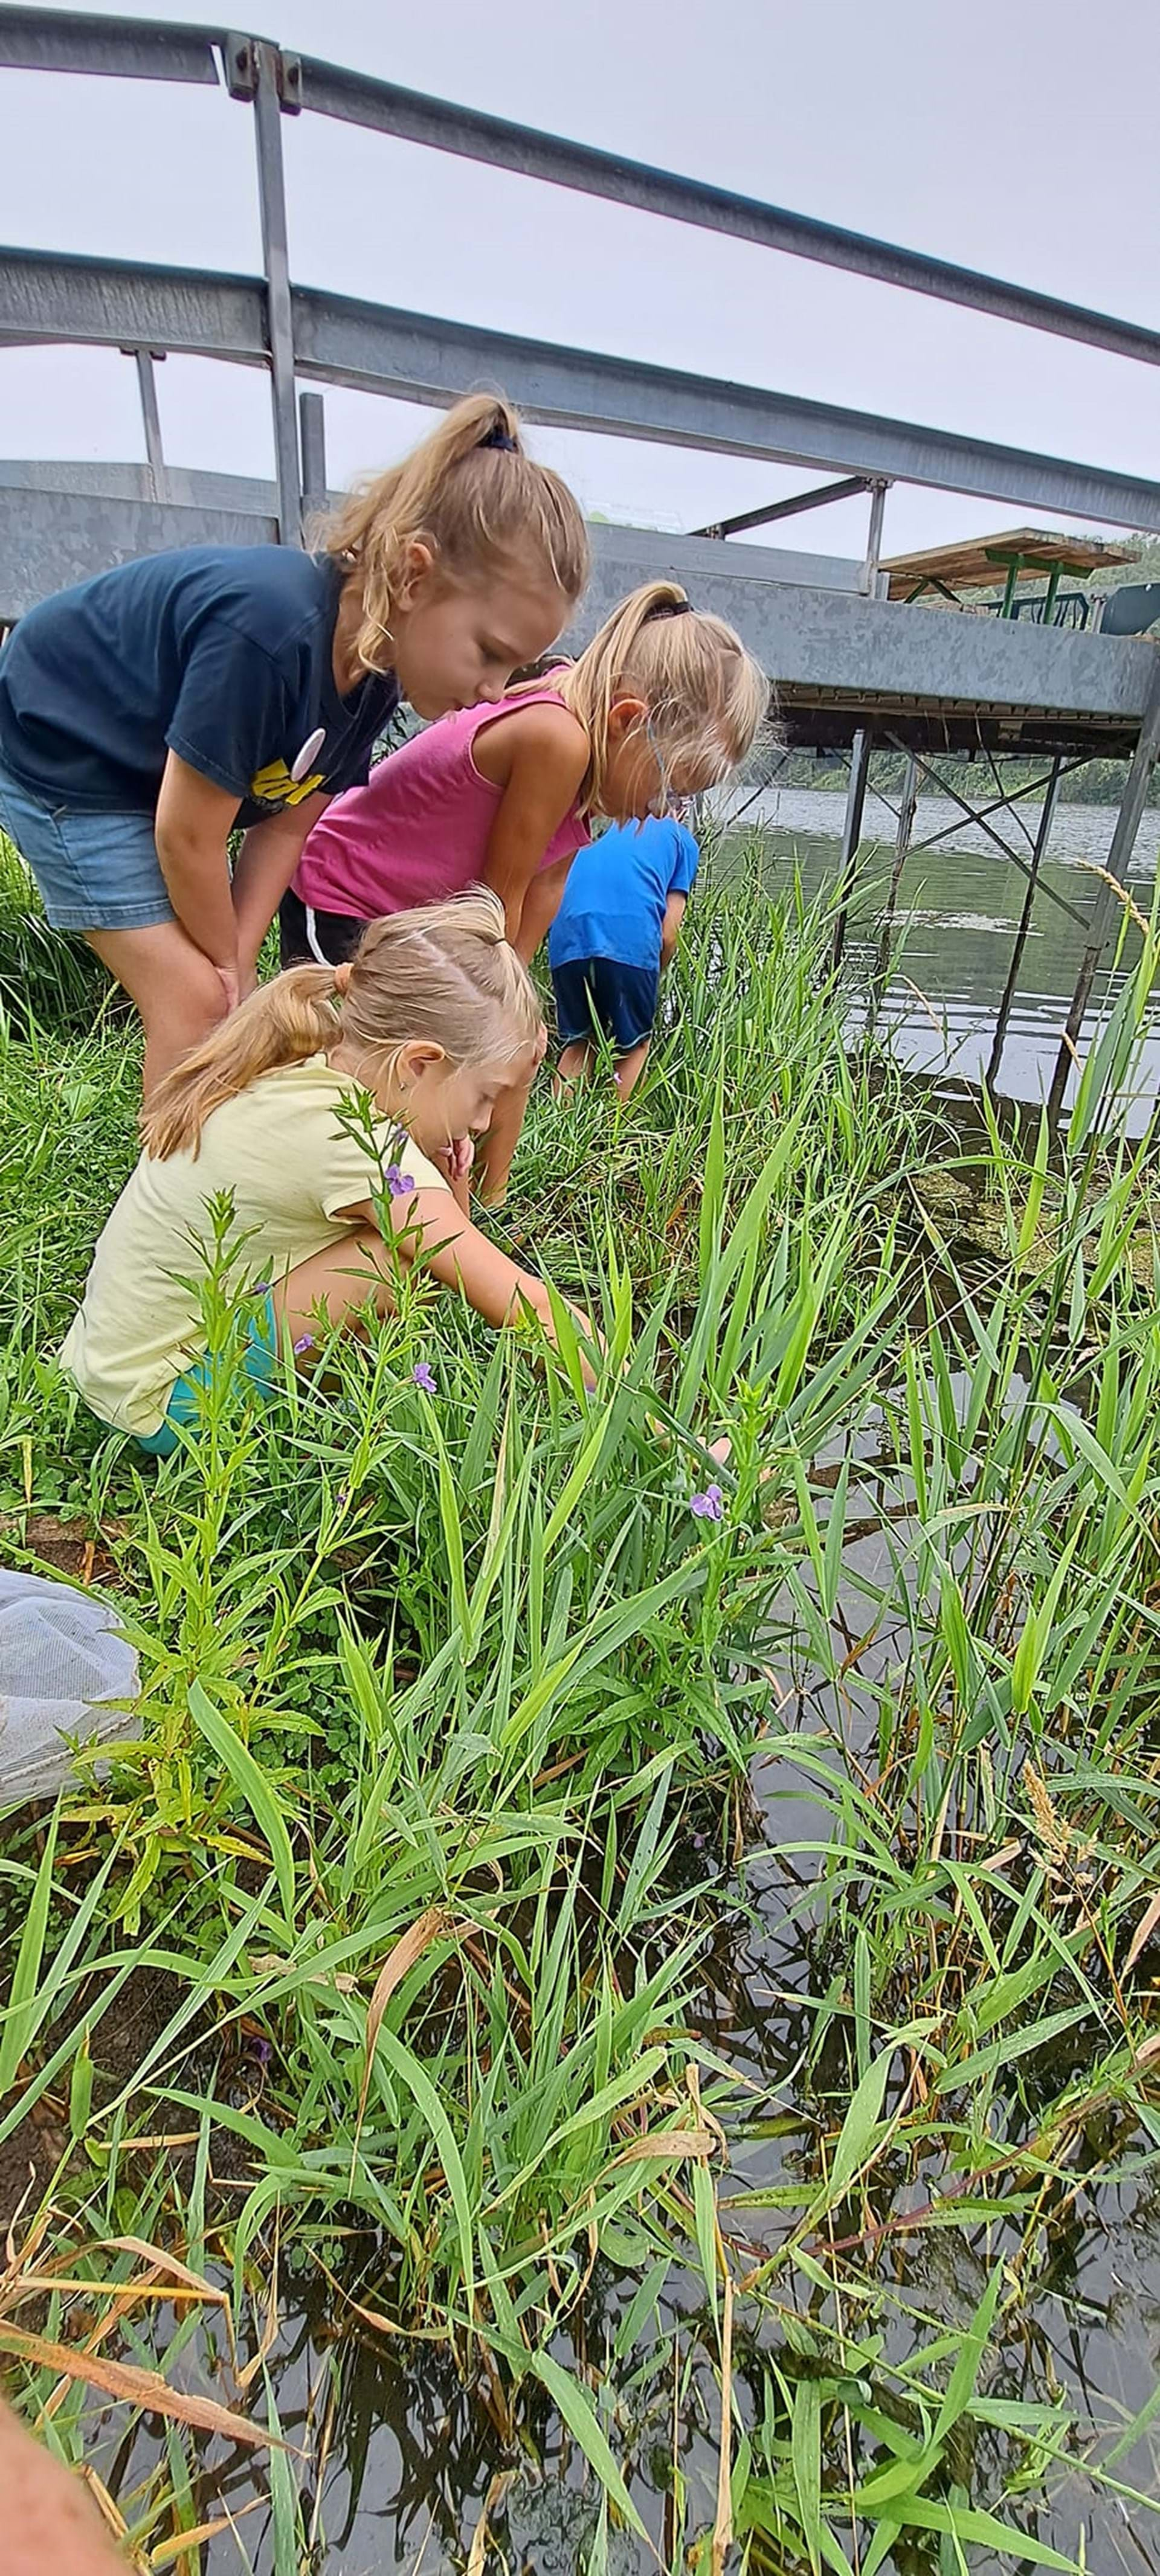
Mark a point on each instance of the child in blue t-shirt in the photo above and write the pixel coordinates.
(616, 929)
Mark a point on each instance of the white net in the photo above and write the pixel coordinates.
(62, 1660)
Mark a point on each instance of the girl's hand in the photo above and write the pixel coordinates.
(456, 1159)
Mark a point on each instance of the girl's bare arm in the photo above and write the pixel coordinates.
(432, 1228)
(267, 860)
(538, 760)
(49, 2521)
(674, 916)
(192, 828)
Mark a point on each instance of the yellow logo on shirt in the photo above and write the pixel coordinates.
(274, 786)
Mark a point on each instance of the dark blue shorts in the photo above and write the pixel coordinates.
(597, 995)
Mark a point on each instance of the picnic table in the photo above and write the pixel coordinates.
(1016, 555)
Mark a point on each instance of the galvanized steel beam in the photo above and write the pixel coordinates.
(383, 351)
(70, 40)
(823, 645)
(378, 349)
(445, 126)
(312, 440)
(279, 294)
(111, 304)
(818, 498)
(151, 420)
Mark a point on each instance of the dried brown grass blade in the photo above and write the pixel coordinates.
(1006, 1852)
(144, 2388)
(183, 2541)
(104, 2502)
(477, 2554)
(668, 2142)
(162, 2263)
(400, 1959)
(374, 2317)
(1143, 1932)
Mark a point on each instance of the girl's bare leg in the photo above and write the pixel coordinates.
(177, 990)
(577, 1064)
(630, 1068)
(341, 1279)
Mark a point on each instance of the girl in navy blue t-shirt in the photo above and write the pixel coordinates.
(146, 713)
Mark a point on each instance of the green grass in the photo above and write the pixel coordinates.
(469, 1766)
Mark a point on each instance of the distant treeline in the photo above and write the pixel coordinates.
(1099, 782)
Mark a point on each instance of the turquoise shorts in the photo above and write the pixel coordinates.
(183, 1411)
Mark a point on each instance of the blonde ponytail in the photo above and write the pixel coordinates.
(472, 494)
(706, 698)
(288, 1020)
(443, 973)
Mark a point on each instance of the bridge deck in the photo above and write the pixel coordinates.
(935, 679)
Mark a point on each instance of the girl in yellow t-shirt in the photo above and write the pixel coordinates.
(432, 1018)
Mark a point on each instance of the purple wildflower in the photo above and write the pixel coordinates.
(424, 1376)
(400, 1184)
(709, 1506)
(305, 1342)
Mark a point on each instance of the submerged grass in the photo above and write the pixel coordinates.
(382, 1977)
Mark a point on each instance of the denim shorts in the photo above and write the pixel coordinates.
(183, 1411)
(94, 871)
(598, 994)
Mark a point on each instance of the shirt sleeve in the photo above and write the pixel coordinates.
(354, 1174)
(233, 709)
(685, 862)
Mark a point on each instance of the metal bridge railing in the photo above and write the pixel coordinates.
(296, 333)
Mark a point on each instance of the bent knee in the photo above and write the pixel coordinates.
(192, 1009)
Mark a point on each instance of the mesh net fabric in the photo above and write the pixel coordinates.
(62, 1660)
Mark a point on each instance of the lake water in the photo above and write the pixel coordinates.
(958, 910)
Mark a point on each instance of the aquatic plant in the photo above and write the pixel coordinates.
(669, 1942)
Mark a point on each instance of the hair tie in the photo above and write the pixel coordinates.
(668, 608)
(498, 437)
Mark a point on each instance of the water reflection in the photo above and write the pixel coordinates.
(958, 911)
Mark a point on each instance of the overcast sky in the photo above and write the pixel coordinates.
(1019, 136)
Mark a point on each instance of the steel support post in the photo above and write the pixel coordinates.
(851, 837)
(151, 419)
(1107, 900)
(1039, 845)
(901, 847)
(312, 427)
(279, 311)
(878, 492)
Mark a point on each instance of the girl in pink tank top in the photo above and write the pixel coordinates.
(424, 823)
(661, 705)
